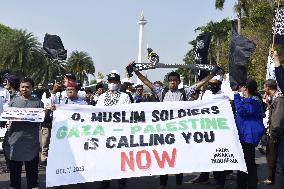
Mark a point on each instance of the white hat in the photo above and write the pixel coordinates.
(218, 78)
(115, 71)
(126, 80)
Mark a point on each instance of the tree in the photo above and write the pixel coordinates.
(81, 64)
(219, 4)
(219, 31)
(18, 50)
(48, 71)
(241, 8)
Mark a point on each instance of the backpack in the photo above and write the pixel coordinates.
(180, 90)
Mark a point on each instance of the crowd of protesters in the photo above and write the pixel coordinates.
(22, 146)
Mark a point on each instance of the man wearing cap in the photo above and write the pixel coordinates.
(72, 94)
(58, 92)
(69, 77)
(12, 85)
(173, 94)
(98, 93)
(70, 98)
(110, 98)
(126, 87)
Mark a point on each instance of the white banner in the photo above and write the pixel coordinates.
(22, 114)
(102, 143)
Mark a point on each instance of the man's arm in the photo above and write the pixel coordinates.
(204, 81)
(275, 58)
(217, 70)
(192, 89)
(142, 77)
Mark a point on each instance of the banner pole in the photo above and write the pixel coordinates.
(277, 12)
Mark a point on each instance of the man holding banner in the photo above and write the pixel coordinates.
(113, 97)
(174, 94)
(23, 140)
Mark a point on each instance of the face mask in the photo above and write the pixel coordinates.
(241, 94)
(215, 88)
(113, 86)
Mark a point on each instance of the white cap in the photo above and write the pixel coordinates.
(218, 78)
(115, 71)
(126, 80)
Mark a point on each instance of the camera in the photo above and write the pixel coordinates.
(58, 78)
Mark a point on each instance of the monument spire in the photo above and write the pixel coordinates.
(142, 22)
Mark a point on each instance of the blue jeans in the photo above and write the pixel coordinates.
(280, 166)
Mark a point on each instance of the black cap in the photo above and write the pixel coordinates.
(139, 86)
(70, 76)
(113, 76)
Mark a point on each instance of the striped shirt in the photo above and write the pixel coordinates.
(173, 95)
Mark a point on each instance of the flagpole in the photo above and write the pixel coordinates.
(277, 12)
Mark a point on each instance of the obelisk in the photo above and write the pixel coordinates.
(141, 24)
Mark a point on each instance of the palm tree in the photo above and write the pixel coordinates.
(219, 4)
(47, 69)
(20, 53)
(241, 8)
(81, 64)
(219, 31)
(18, 49)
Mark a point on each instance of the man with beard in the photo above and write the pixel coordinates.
(110, 98)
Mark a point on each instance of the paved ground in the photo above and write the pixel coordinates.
(144, 182)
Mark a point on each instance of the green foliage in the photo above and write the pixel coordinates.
(81, 64)
(20, 52)
(219, 4)
(100, 75)
(93, 82)
(256, 25)
(261, 13)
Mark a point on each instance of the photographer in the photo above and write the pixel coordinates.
(57, 90)
(46, 126)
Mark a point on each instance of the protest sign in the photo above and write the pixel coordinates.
(156, 138)
(22, 114)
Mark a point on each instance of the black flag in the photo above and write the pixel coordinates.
(240, 52)
(201, 52)
(54, 48)
(152, 56)
(278, 27)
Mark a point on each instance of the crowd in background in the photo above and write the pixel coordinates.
(22, 145)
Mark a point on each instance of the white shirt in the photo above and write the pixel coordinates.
(5, 96)
(59, 97)
(123, 98)
(81, 94)
(209, 95)
(46, 101)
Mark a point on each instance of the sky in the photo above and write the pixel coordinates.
(107, 30)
